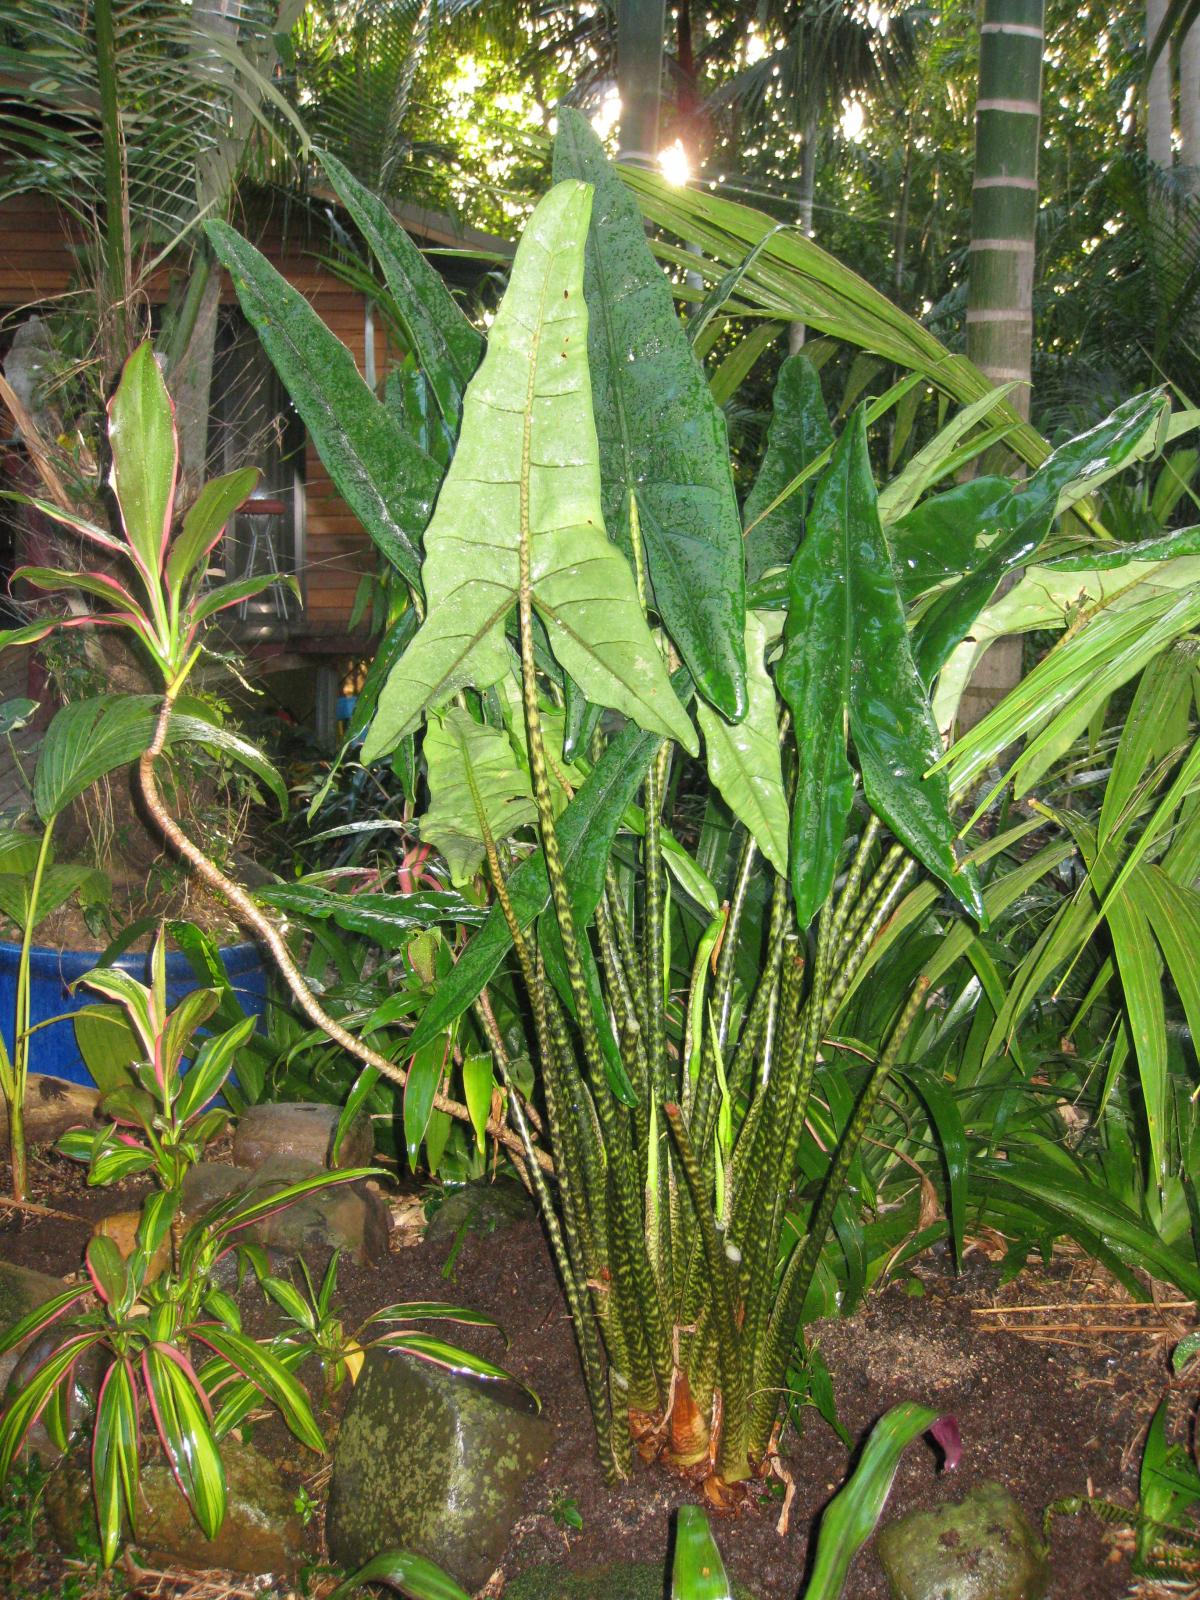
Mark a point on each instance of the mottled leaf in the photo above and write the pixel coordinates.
(662, 436)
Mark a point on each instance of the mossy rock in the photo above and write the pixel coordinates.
(432, 1462)
(979, 1548)
(621, 1580)
(482, 1206)
(261, 1531)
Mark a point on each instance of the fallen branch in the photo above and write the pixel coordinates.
(254, 917)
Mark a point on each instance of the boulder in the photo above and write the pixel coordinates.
(341, 1216)
(978, 1548)
(484, 1205)
(122, 1228)
(300, 1131)
(208, 1183)
(52, 1106)
(22, 1291)
(431, 1461)
(261, 1532)
(621, 1580)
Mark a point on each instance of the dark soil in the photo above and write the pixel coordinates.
(1059, 1412)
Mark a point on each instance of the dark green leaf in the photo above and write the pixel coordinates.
(387, 918)
(799, 432)
(386, 480)
(445, 344)
(663, 440)
(424, 1077)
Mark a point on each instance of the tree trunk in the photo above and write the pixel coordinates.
(1004, 193)
(1003, 224)
(1189, 107)
(804, 217)
(1158, 91)
(640, 26)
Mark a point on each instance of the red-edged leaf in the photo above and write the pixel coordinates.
(115, 1455)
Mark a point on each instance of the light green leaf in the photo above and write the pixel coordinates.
(204, 521)
(475, 780)
(478, 1084)
(141, 435)
(698, 1573)
(526, 472)
(744, 759)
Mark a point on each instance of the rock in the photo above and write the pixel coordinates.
(21, 1291)
(432, 1462)
(261, 1532)
(85, 1385)
(52, 1106)
(208, 1183)
(484, 1205)
(121, 1227)
(622, 1580)
(979, 1548)
(301, 1132)
(340, 1216)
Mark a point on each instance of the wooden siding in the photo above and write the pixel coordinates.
(37, 260)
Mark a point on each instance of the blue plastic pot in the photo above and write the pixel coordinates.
(52, 972)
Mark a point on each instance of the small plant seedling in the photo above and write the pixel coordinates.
(565, 1512)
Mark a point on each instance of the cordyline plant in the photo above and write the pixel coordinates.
(580, 582)
(174, 1357)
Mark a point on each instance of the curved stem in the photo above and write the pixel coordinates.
(253, 917)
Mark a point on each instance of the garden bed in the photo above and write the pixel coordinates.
(1052, 1411)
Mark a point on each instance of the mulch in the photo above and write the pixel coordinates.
(1053, 1378)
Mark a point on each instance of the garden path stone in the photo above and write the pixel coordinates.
(621, 1580)
(979, 1548)
(52, 1105)
(483, 1205)
(301, 1131)
(432, 1462)
(261, 1532)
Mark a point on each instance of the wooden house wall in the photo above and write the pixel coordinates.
(37, 261)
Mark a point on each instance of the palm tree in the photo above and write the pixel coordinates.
(1004, 193)
(821, 53)
(136, 120)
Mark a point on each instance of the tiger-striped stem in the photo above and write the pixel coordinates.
(727, 960)
(855, 952)
(732, 1461)
(587, 1333)
(798, 1275)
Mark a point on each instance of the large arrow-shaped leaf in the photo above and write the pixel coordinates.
(799, 432)
(382, 475)
(662, 436)
(814, 679)
(526, 477)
